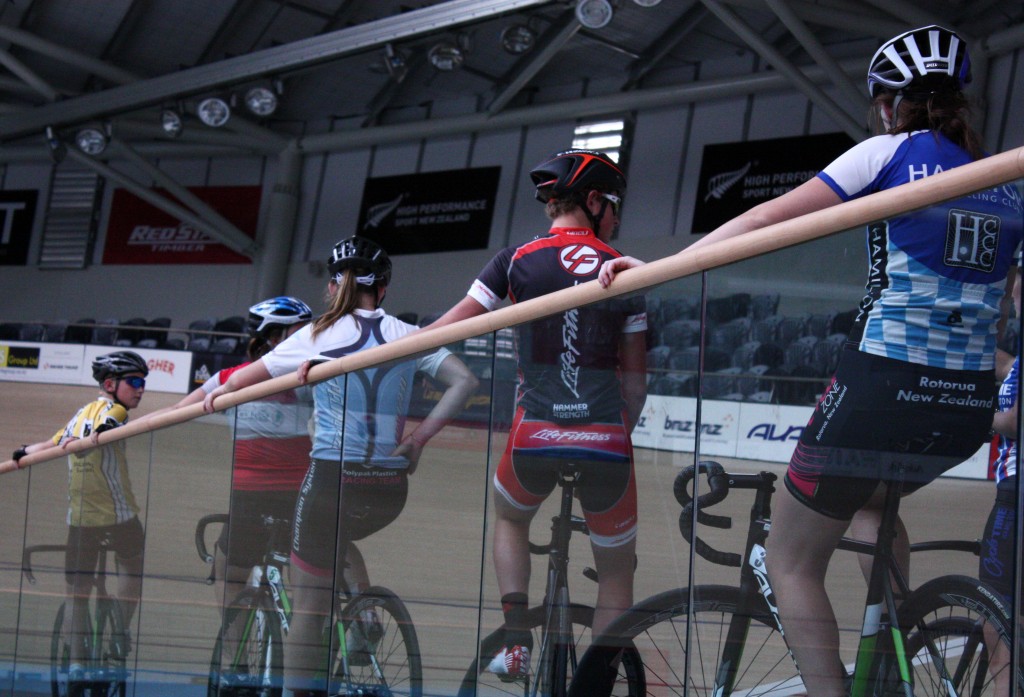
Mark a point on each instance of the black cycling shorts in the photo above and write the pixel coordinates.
(244, 539)
(84, 544)
(371, 499)
(880, 419)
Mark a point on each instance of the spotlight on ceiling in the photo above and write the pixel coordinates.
(214, 112)
(445, 56)
(261, 100)
(171, 123)
(647, 3)
(57, 148)
(394, 63)
(594, 14)
(518, 39)
(91, 140)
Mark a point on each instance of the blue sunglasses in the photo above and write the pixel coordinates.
(134, 381)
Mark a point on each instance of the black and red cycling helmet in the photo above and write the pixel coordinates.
(926, 58)
(576, 172)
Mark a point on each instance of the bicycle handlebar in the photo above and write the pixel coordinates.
(718, 489)
(26, 558)
(201, 526)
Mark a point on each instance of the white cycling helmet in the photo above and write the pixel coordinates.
(927, 57)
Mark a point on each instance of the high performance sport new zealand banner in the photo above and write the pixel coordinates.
(735, 177)
(140, 233)
(430, 212)
(17, 213)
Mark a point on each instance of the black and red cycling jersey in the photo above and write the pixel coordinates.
(568, 362)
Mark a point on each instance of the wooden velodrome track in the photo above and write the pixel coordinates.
(434, 556)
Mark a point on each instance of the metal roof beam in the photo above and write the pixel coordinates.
(525, 70)
(298, 54)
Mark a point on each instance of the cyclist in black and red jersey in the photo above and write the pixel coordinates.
(581, 388)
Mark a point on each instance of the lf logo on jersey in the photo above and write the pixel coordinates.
(579, 259)
(971, 240)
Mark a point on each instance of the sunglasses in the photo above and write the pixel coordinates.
(134, 381)
(616, 202)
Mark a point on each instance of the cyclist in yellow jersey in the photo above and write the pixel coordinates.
(101, 505)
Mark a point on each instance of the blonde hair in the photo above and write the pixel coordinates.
(343, 301)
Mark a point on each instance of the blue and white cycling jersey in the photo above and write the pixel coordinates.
(1006, 461)
(935, 276)
(360, 415)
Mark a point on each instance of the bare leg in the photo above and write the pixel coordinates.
(799, 549)
(615, 587)
(76, 617)
(312, 596)
(356, 575)
(129, 587)
(511, 546)
(864, 526)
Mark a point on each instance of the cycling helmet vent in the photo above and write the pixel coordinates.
(929, 56)
(364, 254)
(116, 364)
(576, 171)
(282, 311)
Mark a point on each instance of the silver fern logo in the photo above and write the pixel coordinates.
(720, 183)
(376, 214)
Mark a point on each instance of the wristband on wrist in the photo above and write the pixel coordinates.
(19, 453)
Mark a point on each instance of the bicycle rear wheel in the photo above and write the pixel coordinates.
(107, 672)
(951, 625)
(247, 656)
(479, 682)
(376, 657)
(657, 630)
(60, 655)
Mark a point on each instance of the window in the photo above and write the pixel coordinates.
(606, 136)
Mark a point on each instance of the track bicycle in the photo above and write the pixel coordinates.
(106, 642)
(559, 626)
(247, 655)
(722, 640)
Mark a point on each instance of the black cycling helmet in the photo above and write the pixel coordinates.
(927, 58)
(118, 363)
(576, 172)
(364, 254)
(282, 311)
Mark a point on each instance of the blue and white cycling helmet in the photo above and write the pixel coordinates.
(282, 311)
(362, 254)
(927, 58)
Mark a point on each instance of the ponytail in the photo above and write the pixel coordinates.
(342, 302)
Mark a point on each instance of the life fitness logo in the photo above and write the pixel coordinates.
(579, 259)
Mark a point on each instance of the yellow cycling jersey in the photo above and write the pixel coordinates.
(99, 488)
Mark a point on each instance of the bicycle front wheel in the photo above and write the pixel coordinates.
(247, 656)
(658, 630)
(376, 651)
(480, 682)
(953, 630)
(60, 655)
(107, 672)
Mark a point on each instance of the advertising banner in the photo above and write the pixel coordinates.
(430, 212)
(140, 233)
(168, 370)
(17, 213)
(49, 363)
(735, 177)
(205, 364)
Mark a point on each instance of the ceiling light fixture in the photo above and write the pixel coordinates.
(171, 123)
(594, 14)
(57, 148)
(91, 140)
(445, 56)
(214, 112)
(394, 63)
(261, 100)
(517, 39)
(647, 3)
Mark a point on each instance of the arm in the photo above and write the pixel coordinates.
(1005, 422)
(633, 371)
(464, 309)
(813, 195)
(255, 372)
(34, 448)
(461, 384)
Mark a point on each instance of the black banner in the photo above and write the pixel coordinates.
(17, 212)
(430, 212)
(735, 177)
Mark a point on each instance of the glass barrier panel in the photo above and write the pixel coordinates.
(807, 324)
(180, 615)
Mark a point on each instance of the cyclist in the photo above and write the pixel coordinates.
(101, 505)
(582, 387)
(364, 416)
(271, 447)
(914, 390)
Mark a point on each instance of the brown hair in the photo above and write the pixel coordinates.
(567, 203)
(943, 111)
(343, 301)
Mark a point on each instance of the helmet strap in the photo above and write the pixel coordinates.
(594, 219)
